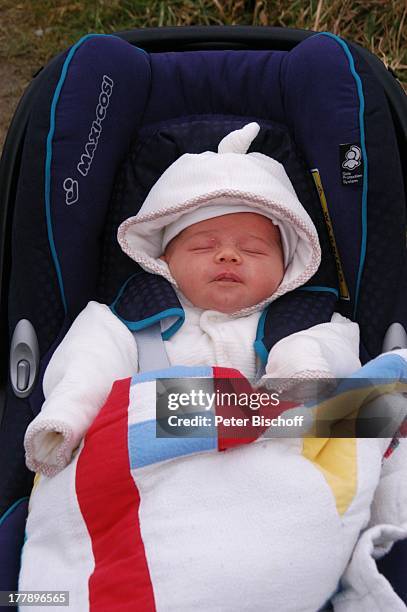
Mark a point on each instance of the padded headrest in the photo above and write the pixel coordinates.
(105, 94)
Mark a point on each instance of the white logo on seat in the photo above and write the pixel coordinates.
(71, 191)
(96, 127)
(353, 157)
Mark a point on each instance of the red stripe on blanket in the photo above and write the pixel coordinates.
(109, 502)
(232, 383)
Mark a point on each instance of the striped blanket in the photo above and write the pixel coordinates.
(207, 522)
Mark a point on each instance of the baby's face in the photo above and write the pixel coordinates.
(227, 263)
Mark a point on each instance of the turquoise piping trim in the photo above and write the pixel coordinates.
(119, 295)
(143, 323)
(48, 158)
(317, 288)
(258, 345)
(11, 509)
(166, 335)
(359, 88)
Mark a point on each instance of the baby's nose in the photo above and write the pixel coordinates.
(228, 254)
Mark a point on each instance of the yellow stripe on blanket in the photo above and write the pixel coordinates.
(335, 456)
(35, 484)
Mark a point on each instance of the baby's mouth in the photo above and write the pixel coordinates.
(230, 277)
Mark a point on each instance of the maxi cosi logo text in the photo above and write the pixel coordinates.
(70, 185)
(96, 127)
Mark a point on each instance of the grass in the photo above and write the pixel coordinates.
(35, 30)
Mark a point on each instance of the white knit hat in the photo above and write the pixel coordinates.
(197, 187)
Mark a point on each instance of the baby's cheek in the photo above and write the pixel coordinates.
(180, 271)
(266, 283)
(190, 279)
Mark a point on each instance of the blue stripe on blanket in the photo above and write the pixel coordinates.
(385, 366)
(386, 369)
(145, 448)
(173, 372)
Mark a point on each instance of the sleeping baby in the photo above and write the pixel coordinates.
(271, 525)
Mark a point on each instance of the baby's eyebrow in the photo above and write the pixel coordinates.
(255, 236)
(266, 241)
(207, 232)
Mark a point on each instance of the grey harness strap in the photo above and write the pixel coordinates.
(151, 350)
(152, 354)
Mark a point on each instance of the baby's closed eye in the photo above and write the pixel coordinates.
(201, 244)
(202, 247)
(254, 251)
(256, 247)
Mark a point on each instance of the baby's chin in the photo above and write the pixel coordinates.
(223, 304)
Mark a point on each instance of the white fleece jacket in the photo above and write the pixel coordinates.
(99, 349)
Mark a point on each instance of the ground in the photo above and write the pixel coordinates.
(33, 31)
(14, 79)
(15, 72)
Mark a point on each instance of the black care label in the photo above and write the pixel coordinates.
(350, 156)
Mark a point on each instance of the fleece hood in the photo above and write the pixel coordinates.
(205, 185)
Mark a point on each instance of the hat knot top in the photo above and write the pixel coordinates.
(239, 141)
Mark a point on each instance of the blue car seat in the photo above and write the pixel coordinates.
(105, 118)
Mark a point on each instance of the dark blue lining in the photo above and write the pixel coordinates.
(317, 288)
(11, 509)
(143, 323)
(258, 344)
(359, 88)
(48, 158)
(159, 316)
(121, 290)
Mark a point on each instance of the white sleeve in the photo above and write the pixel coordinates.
(325, 350)
(97, 350)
